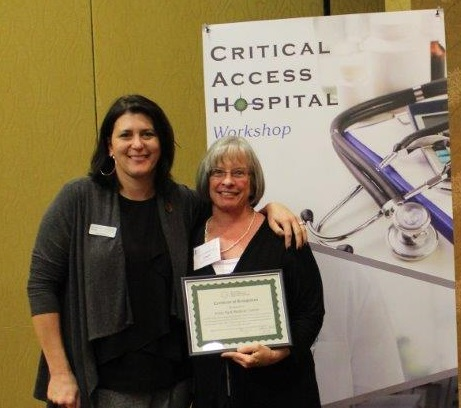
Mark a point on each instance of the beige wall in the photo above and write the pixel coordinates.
(62, 62)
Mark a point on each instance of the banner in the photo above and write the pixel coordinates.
(349, 117)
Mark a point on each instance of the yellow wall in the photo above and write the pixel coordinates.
(47, 122)
(452, 13)
(397, 5)
(157, 51)
(62, 62)
(352, 6)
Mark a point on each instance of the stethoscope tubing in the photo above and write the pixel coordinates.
(385, 184)
(386, 103)
(366, 174)
(408, 140)
(440, 220)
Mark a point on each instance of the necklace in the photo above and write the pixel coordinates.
(238, 240)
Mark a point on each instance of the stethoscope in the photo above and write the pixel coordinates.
(412, 234)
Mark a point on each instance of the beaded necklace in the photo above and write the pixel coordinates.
(238, 240)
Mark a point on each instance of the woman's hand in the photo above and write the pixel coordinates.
(63, 390)
(284, 223)
(257, 355)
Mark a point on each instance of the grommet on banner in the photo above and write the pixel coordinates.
(206, 27)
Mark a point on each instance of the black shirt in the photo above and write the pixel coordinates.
(151, 353)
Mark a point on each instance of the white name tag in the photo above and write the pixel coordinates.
(102, 230)
(207, 254)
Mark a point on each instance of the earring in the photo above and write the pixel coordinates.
(113, 168)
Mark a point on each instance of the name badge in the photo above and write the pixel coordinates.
(102, 230)
(207, 253)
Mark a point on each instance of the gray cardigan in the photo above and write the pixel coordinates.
(78, 268)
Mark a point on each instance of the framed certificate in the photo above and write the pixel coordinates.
(227, 311)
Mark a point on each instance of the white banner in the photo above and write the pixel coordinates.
(390, 319)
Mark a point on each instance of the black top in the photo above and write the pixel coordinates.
(221, 383)
(150, 353)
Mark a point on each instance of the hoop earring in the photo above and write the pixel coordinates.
(110, 172)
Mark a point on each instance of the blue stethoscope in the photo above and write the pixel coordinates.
(415, 219)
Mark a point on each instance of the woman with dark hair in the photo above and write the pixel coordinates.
(102, 163)
(104, 285)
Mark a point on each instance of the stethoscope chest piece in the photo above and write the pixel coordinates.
(411, 236)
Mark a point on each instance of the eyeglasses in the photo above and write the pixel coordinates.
(234, 173)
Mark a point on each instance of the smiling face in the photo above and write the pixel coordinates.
(230, 188)
(135, 148)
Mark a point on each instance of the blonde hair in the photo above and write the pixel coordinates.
(231, 148)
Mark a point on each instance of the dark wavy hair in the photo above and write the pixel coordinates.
(101, 162)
